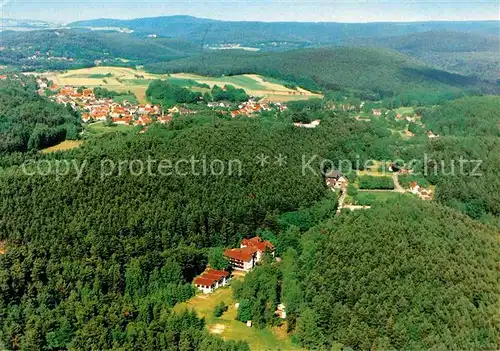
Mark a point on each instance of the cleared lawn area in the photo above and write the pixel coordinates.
(129, 97)
(229, 328)
(100, 128)
(405, 110)
(377, 169)
(63, 146)
(254, 85)
(368, 198)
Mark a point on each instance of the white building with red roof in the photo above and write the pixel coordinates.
(249, 254)
(211, 280)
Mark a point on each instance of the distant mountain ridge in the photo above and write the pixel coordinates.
(465, 53)
(253, 32)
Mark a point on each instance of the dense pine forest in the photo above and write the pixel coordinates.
(374, 73)
(31, 122)
(395, 277)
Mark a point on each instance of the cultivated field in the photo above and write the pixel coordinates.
(63, 146)
(255, 85)
(113, 78)
(137, 81)
(229, 328)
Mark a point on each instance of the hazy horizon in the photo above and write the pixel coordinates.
(347, 11)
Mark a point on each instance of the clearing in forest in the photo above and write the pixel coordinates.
(229, 328)
(254, 85)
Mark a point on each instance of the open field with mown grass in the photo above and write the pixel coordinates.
(137, 81)
(368, 198)
(254, 85)
(100, 128)
(112, 78)
(229, 328)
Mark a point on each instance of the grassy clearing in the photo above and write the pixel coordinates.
(99, 128)
(254, 85)
(63, 146)
(405, 111)
(129, 97)
(368, 198)
(229, 328)
(377, 169)
(406, 179)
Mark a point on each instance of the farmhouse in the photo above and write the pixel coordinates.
(335, 179)
(249, 254)
(424, 194)
(211, 280)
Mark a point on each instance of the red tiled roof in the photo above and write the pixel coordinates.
(218, 272)
(210, 277)
(244, 254)
(214, 277)
(257, 243)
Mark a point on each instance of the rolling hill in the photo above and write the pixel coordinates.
(466, 53)
(379, 72)
(62, 49)
(285, 34)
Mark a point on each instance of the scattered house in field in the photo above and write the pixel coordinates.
(223, 104)
(414, 188)
(313, 124)
(376, 112)
(335, 179)
(407, 133)
(280, 311)
(249, 253)
(165, 119)
(424, 194)
(431, 135)
(211, 280)
(3, 76)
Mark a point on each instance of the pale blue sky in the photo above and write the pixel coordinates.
(65, 11)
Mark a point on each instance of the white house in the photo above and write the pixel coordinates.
(249, 253)
(211, 280)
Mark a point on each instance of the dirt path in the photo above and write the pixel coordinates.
(343, 195)
(397, 187)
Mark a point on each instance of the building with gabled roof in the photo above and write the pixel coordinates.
(249, 253)
(211, 280)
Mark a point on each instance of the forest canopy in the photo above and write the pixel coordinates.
(398, 276)
(31, 122)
